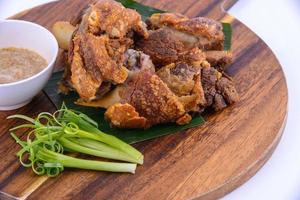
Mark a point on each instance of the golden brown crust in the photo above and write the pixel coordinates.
(190, 102)
(153, 99)
(150, 97)
(219, 59)
(199, 92)
(185, 81)
(96, 53)
(161, 46)
(185, 119)
(178, 77)
(198, 26)
(195, 57)
(82, 81)
(116, 21)
(158, 20)
(124, 116)
(173, 35)
(98, 61)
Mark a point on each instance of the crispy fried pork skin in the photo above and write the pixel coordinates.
(142, 77)
(174, 44)
(219, 59)
(102, 60)
(84, 83)
(184, 79)
(125, 116)
(151, 99)
(163, 46)
(195, 57)
(96, 53)
(200, 27)
(174, 34)
(179, 77)
(111, 18)
(185, 119)
(135, 61)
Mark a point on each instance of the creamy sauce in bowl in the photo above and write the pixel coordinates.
(17, 64)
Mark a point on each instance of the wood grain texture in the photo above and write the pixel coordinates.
(205, 162)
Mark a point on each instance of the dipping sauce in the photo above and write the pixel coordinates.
(18, 63)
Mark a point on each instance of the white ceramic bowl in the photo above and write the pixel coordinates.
(23, 34)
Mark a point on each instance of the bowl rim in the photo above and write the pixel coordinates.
(50, 64)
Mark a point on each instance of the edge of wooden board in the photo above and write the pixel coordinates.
(245, 175)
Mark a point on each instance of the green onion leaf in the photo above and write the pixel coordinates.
(68, 161)
(49, 134)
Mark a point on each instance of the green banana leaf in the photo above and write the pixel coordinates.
(145, 11)
(129, 136)
(227, 30)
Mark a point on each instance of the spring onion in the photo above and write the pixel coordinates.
(51, 135)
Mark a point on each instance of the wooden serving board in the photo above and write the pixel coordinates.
(205, 162)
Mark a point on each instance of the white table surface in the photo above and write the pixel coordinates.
(277, 22)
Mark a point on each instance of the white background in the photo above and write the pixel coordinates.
(277, 22)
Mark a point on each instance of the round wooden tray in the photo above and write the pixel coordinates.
(205, 162)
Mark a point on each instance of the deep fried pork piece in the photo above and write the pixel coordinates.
(125, 116)
(111, 18)
(149, 98)
(179, 77)
(135, 61)
(163, 46)
(208, 32)
(184, 79)
(227, 90)
(174, 44)
(219, 90)
(96, 54)
(143, 100)
(187, 75)
(83, 82)
(184, 82)
(175, 34)
(219, 59)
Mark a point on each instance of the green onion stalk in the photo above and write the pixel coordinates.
(52, 134)
(88, 128)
